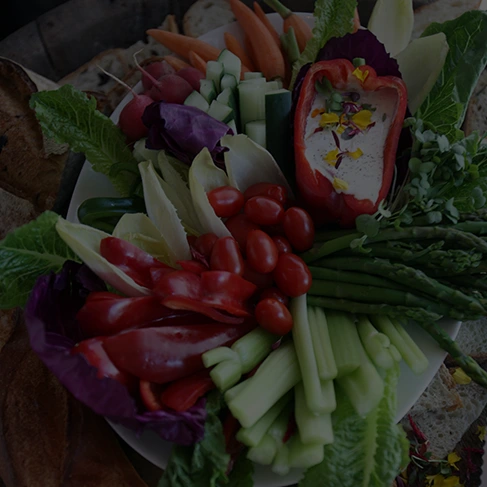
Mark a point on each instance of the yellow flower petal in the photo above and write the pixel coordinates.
(340, 184)
(340, 130)
(460, 377)
(356, 154)
(361, 75)
(316, 112)
(481, 432)
(328, 118)
(362, 119)
(431, 480)
(451, 482)
(331, 157)
(453, 458)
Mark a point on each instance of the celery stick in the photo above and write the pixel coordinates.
(410, 352)
(226, 374)
(328, 391)
(217, 355)
(304, 456)
(376, 344)
(364, 386)
(278, 374)
(306, 356)
(281, 461)
(280, 426)
(313, 428)
(325, 360)
(395, 353)
(264, 452)
(254, 347)
(253, 436)
(345, 341)
(235, 390)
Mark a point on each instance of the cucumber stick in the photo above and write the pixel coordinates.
(231, 63)
(214, 72)
(256, 131)
(252, 75)
(252, 99)
(208, 90)
(195, 99)
(228, 81)
(221, 112)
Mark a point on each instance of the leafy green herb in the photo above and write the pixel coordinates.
(333, 18)
(367, 451)
(30, 251)
(205, 463)
(444, 108)
(242, 472)
(69, 116)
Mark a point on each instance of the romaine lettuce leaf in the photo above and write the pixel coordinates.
(69, 116)
(444, 108)
(27, 253)
(333, 18)
(367, 452)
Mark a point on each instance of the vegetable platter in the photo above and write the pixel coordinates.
(254, 243)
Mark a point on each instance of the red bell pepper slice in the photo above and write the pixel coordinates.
(318, 192)
(165, 354)
(130, 259)
(95, 354)
(151, 395)
(107, 313)
(193, 266)
(182, 394)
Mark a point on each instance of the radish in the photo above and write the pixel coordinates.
(130, 120)
(157, 70)
(171, 89)
(192, 76)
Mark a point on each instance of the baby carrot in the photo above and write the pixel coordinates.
(182, 45)
(267, 54)
(232, 44)
(197, 62)
(250, 51)
(265, 20)
(175, 62)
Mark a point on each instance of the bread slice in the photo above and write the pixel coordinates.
(206, 15)
(440, 11)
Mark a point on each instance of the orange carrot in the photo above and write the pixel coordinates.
(250, 51)
(267, 54)
(301, 29)
(197, 62)
(182, 45)
(232, 44)
(356, 21)
(265, 20)
(175, 62)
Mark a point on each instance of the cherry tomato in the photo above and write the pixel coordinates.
(274, 191)
(226, 256)
(226, 201)
(262, 281)
(263, 210)
(204, 244)
(239, 226)
(292, 275)
(150, 394)
(282, 244)
(274, 230)
(273, 316)
(261, 252)
(274, 293)
(299, 228)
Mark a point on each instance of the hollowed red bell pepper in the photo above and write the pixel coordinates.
(106, 313)
(130, 259)
(162, 355)
(346, 116)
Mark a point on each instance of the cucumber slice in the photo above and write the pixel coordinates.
(259, 81)
(214, 72)
(208, 90)
(221, 112)
(253, 75)
(227, 97)
(233, 126)
(231, 63)
(278, 134)
(228, 81)
(195, 99)
(256, 131)
(252, 100)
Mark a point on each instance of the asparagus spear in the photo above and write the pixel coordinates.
(411, 277)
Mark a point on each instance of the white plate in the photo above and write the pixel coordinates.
(91, 184)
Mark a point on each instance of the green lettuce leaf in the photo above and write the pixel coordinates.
(69, 116)
(367, 451)
(27, 253)
(444, 108)
(242, 472)
(205, 463)
(333, 18)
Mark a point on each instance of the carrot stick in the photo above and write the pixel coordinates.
(267, 54)
(250, 51)
(175, 62)
(356, 21)
(301, 29)
(182, 45)
(265, 20)
(232, 44)
(197, 62)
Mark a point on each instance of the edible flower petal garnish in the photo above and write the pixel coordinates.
(361, 75)
(460, 377)
(362, 119)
